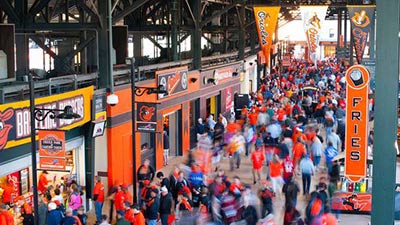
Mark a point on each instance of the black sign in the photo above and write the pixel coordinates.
(99, 102)
(174, 82)
(146, 117)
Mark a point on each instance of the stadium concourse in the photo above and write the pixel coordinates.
(244, 172)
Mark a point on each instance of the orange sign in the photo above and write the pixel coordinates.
(266, 19)
(356, 143)
(52, 149)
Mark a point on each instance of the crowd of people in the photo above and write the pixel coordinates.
(291, 130)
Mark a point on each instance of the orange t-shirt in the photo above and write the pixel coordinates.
(129, 216)
(275, 169)
(128, 197)
(42, 183)
(253, 118)
(298, 150)
(258, 158)
(139, 219)
(8, 190)
(99, 191)
(6, 218)
(329, 219)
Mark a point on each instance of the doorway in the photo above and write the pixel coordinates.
(173, 127)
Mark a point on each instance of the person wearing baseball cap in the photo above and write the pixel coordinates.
(54, 217)
(165, 205)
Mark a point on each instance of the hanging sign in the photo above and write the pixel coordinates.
(361, 18)
(313, 18)
(15, 126)
(173, 80)
(146, 117)
(356, 141)
(266, 20)
(52, 150)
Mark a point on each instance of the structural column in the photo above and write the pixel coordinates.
(103, 48)
(242, 31)
(174, 32)
(196, 37)
(387, 77)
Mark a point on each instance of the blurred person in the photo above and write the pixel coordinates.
(98, 197)
(250, 213)
(316, 150)
(104, 220)
(119, 200)
(120, 219)
(145, 172)
(43, 182)
(162, 181)
(25, 211)
(166, 147)
(54, 217)
(43, 210)
(257, 159)
(307, 170)
(75, 199)
(166, 205)
(70, 219)
(6, 218)
(128, 213)
(291, 189)
(276, 174)
(82, 215)
(152, 207)
(288, 169)
(330, 154)
(138, 216)
(266, 195)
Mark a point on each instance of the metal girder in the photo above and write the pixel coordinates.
(41, 44)
(153, 41)
(154, 10)
(208, 39)
(37, 7)
(114, 6)
(137, 4)
(196, 23)
(81, 46)
(88, 10)
(219, 13)
(183, 38)
(10, 11)
(58, 27)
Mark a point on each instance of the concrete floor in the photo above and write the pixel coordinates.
(246, 176)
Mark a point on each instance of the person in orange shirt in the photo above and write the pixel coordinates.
(98, 197)
(5, 217)
(298, 151)
(43, 182)
(8, 191)
(253, 116)
(275, 173)
(258, 159)
(244, 112)
(129, 214)
(119, 200)
(26, 210)
(128, 195)
(138, 216)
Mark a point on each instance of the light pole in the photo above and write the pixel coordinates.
(138, 91)
(132, 61)
(41, 114)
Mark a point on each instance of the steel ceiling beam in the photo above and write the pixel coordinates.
(57, 27)
(10, 11)
(37, 7)
(120, 16)
(219, 13)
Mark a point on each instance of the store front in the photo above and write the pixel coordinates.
(15, 157)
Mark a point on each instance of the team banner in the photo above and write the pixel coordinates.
(313, 18)
(146, 117)
(266, 20)
(173, 80)
(52, 150)
(361, 18)
(356, 141)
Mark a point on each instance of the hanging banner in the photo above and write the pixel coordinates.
(173, 80)
(266, 20)
(356, 141)
(313, 18)
(52, 150)
(361, 18)
(229, 99)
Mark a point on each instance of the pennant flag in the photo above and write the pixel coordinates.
(361, 18)
(266, 19)
(313, 18)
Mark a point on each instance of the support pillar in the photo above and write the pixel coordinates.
(196, 37)
(387, 77)
(253, 37)
(174, 32)
(345, 32)
(22, 56)
(242, 32)
(372, 41)
(103, 48)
